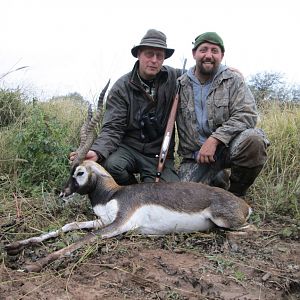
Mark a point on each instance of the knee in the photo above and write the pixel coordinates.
(113, 166)
(118, 169)
(255, 143)
(250, 150)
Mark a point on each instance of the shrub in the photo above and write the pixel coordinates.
(37, 147)
(11, 106)
(40, 143)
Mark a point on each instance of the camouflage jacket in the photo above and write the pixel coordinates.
(230, 107)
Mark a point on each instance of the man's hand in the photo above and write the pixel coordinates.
(91, 155)
(207, 151)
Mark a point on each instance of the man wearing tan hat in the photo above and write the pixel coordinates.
(137, 110)
(216, 122)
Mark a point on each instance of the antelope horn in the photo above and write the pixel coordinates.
(97, 118)
(83, 133)
(87, 130)
(101, 97)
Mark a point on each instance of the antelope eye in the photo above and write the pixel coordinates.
(80, 173)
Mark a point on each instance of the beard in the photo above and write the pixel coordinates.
(207, 70)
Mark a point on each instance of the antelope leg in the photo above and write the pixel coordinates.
(38, 265)
(110, 230)
(16, 247)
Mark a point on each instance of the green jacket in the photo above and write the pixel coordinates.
(126, 103)
(231, 109)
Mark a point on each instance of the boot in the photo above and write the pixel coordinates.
(221, 180)
(242, 178)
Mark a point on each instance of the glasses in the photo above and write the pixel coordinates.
(160, 55)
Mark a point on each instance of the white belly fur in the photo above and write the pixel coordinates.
(156, 219)
(107, 213)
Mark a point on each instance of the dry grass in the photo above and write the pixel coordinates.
(277, 189)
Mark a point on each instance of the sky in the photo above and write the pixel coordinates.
(77, 45)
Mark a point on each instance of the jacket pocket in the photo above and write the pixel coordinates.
(184, 110)
(221, 111)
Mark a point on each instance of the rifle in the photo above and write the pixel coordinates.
(169, 131)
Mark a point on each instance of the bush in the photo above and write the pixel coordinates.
(11, 106)
(41, 144)
(37, 147)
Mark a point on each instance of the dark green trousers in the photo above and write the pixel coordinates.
(126, 164)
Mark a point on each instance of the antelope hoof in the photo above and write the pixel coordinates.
(32, 268)
(248, 230)
(14, 248)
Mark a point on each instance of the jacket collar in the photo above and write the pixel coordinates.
(134, 78)
(221, 75)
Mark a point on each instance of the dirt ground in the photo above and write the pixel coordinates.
(217, 265)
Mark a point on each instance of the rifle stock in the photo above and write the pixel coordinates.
(168, 135)
(169, 130)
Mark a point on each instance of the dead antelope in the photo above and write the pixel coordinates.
(148, 208)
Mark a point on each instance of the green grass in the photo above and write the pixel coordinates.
(34, 149)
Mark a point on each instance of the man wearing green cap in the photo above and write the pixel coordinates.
(216, 122)
(137, 110)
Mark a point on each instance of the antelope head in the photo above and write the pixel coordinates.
(80, 175)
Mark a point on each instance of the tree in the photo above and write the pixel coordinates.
(272, 86)
(75, 96)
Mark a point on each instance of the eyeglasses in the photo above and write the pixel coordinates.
(160, 55)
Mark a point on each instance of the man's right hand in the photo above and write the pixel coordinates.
(207, 151)
(91, 155)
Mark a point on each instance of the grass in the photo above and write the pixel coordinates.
(34, 149)
(30, 204)
(277, 189)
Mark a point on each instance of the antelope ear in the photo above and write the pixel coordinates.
(98, 169)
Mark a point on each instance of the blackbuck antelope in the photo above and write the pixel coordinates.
(149, 208)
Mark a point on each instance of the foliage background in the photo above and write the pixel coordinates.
(37, 136)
